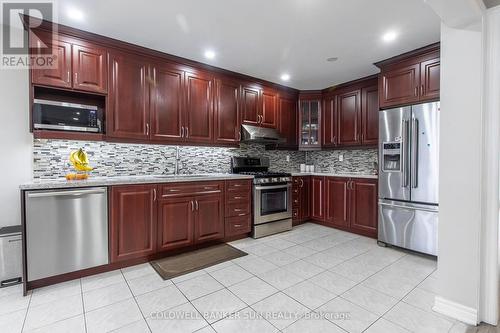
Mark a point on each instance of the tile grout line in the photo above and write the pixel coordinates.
(137, 304)
(27, 309)
(83, 307)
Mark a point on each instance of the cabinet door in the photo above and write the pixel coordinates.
(167, 103)
(369, 113)
(128, 110)
(305, 199)
(175, 223)
(430, 75)
(209, 218)
(60, 75)
(288, 120)
(349, 118)
(329, 122)
(250, 105)
(269, 112)
(337, 202)
(227, 120)
(90, 68)
(364, 211)
(399, 86)
(318, 198)
(200, 110)
(132, 222)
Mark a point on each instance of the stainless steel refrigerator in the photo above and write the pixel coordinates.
(408, 177)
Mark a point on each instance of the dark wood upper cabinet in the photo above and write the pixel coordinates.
(410, 78)
(349, 118)
(250, 105)
(269, 113)
(132, 222)
(337, 202)
(167, 103)
(430, 81)
(369, 115)
(364, 208)
(90, 68)
(310, 122)
(128, 107)
(61, 74)
(199, 107)
(400, 85)
(329, 121)
(227, 115)
(209, 218)
(318, 198)
(287, 115)
(175, 228)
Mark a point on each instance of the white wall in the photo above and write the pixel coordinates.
(15, 142)
(460, 167)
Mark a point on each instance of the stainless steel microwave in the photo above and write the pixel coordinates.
(63, 116)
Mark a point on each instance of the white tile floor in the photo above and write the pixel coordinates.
(311, 279)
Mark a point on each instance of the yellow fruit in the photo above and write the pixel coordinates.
(80, 160)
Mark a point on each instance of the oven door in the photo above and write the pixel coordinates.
(272, 203)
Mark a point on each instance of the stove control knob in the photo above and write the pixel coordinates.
(285, 179)
(275, 180)
(263, 181)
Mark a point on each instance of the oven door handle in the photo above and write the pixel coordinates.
(260, 188)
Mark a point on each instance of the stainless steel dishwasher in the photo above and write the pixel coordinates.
(66, 231)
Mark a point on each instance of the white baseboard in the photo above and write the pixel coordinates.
(455, 310)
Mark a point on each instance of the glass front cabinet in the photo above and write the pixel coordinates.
(309, 123)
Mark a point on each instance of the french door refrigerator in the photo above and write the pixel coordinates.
(408, 177)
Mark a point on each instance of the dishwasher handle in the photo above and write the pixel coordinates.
(66, 193)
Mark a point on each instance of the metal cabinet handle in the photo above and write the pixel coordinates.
(192, 206)
(422, 90)
(69, 77)
(301, 182)
(416, 91)
(154, 194)
(237, 198)
(197, 207)
(239, 136)
(76, 77)
(237, 225)
(236, 185)
(187, 132)
(182, 131)
(147, 129)
(334, 140)
(238, 210)
(242, 214)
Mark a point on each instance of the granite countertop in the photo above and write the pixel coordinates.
(48, 184)
(333, 174)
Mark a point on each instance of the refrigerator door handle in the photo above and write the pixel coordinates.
(404, 152)
(414, 153)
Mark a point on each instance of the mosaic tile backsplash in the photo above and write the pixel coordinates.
(117, 159)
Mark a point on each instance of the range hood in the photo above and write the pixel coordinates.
(258, 134)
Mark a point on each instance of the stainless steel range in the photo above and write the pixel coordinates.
(272, 195)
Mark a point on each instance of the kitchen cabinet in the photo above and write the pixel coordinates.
(80, 65)
(287, 115)
(250, 105)
(174, 227)
(208, 218)
(128, 103)
(369, 115)
(300, 199)
(337, 202)
(227, 115)
(410, 78)
(349, 204)
(309, 123)
(318, 198)
(363, 207)
(132, 221)
(349, 118)
(269, 114)
(199, 109)
(329, 121)
(167, 107)
(238, 202)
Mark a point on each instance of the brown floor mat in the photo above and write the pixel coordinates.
(184, 263)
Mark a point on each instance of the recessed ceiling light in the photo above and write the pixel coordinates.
(285, 77)
(389, 36)
(332, 59)
(75, 14)
(209, 54)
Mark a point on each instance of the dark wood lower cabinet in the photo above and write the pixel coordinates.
(364, 210)
(174, 228)
(318, 198)
(337, 202)
(300, 199)
(209, 218)
(132, 221)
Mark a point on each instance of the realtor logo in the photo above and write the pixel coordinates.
(21, 46)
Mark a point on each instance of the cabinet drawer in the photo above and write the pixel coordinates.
(238, 225)
(237, 209)
(238, 185)
(235, 197)
(194, 188)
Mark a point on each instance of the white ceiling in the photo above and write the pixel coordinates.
(265, 38)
